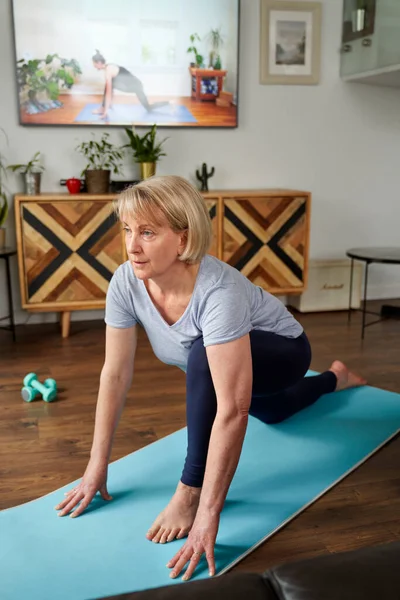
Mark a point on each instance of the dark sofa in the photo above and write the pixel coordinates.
(371, 573)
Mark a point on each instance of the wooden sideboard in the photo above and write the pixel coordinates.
(70, 245)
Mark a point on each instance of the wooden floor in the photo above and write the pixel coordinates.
(206, 113)
(45, 446)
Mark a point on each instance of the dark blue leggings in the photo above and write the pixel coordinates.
(279, 391)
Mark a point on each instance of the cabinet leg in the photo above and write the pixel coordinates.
(65, 323)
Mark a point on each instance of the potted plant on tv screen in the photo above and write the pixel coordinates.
(198, 58)
(216, 41)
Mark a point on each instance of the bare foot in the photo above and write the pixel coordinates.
(345, 378)
(177, 519)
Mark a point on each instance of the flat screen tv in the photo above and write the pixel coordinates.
(127, 62)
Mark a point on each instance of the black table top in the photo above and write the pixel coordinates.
(7, 251)
(376, 254)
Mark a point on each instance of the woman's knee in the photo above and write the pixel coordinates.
(270, 415)
(278, 362)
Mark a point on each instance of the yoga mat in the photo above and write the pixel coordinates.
(283, 468)
(136, 113)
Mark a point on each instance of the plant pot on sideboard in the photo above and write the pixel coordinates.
(2, 237)
(147, 169)
(32, 183)
(97, 181)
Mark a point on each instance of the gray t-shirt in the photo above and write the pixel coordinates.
(224, 306)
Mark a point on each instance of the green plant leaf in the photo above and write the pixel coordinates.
(101, 154)
(3, 209)
(53, 90)
(145, 148)
(32, 165)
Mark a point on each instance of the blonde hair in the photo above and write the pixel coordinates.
(179, 202)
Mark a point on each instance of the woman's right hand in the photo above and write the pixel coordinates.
(93, 481)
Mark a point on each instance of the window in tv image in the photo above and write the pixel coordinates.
(127, 62)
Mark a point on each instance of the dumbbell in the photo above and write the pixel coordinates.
(33, 387)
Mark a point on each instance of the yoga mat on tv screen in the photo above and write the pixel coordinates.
(135, 113)
(283, 468)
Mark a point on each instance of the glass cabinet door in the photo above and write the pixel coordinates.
(387, 35)
(358, 53)
(370, 36)
(358, 19)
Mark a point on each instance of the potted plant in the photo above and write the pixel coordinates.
(32, 172)
(102, 158)
(199, 59)
(146, 151)
(40, 81)
(216, 41)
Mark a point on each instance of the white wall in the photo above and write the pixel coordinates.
(341, 141)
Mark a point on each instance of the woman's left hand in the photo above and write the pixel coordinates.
(201, 540)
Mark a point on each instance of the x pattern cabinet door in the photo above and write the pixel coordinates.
(266, 239)
(70, 251)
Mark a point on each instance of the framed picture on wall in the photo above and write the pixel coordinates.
(127, 62)
(290, 43)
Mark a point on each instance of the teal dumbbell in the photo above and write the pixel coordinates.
(33, 387)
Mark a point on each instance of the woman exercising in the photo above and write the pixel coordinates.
(119, 78)
(241, 349)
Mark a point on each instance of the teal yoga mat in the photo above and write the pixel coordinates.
(124, 114)
(282, 469)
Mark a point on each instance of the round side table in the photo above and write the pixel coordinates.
(5, 253)
(369, 255)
